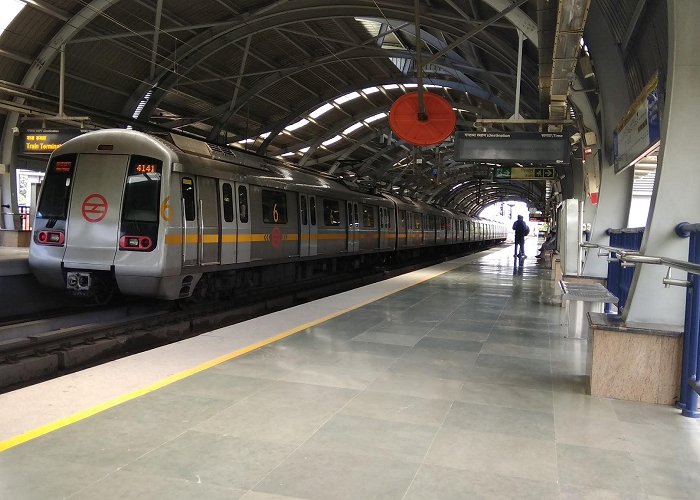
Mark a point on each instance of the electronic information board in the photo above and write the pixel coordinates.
(512, 147)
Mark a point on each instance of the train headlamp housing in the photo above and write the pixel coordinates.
(136, 243)
(54, 238)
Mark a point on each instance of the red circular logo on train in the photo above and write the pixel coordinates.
(94, 207)
(276, 237)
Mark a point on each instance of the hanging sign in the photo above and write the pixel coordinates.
(524, 173)
(512, 147)
(639, 131)
(45, 141)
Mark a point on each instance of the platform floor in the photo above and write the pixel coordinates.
(460, 383)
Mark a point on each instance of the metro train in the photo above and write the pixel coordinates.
(169, 217)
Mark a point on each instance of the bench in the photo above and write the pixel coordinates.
(580, 299)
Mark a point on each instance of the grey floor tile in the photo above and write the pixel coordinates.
(445, 483)
(30, 476)
(449, 344)
(328, 475)
(475, 335)
(501, 454)
(266, 422)
(442, 369)
(422, 387)
(127, 485)
(321, 398)
(256, 495)
(645, 413)
(520, 351)
(499, 420)
(593, 433)
(398, 408)
(598, 468)
(663, 441)
(578, 492)
(212, 459)
(576, 405)
(507, 396)
(668, 477)
(375, 437)
(406, 340)
(216, 385)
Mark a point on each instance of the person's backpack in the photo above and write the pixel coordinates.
(527, 230)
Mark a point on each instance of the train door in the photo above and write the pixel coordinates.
(313, 227)
(229, 226)
(244, 240)
(208, 230)
(189, 222)
(304, 226)
(353, 226)
(95, 209)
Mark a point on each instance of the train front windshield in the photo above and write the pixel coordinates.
(141, 208)
(53, 203)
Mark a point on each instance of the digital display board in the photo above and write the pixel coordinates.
(512, 147)
(45, 141)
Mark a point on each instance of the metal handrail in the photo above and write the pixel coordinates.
(634, 257)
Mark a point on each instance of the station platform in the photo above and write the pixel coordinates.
(456, 381)
(20, 293)
(14, 261)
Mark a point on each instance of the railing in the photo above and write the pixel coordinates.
(25, 221)
(619, 276)
(690, 386)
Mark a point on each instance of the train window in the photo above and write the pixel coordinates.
(368, 216)
(243, 204)
(274, 207)
(417, 221)
(188, 198)
(331, 213)
(227, 194)
(142, 191)
(56, 188)
(442, 223)
(357, 216)
(312, 209)
(302, 210)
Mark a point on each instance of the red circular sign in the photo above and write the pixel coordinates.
(276, 237)
(94, 208)
(439, 125)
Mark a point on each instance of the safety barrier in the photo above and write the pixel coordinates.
(619, 275)
(691, 358)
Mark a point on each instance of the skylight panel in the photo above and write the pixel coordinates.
(370, 90)
(9, 11)
(332, 140)
(294, 126)
(265, 135)
(319, 111)
(352, 128)
(304, 150)
(391, 87)
(347, 97)
(376, 117)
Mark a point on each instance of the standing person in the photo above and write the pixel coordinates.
(521, 230)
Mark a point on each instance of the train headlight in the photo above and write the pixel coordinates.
(56, 238)
(136, 243)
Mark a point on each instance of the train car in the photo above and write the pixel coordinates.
(163, 217)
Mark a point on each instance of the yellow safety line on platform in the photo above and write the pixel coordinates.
(64, 422)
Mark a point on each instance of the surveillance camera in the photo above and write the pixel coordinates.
(15, 131)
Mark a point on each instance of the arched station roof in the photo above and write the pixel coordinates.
(311, 81)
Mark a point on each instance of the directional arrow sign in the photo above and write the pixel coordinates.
(524, 173)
